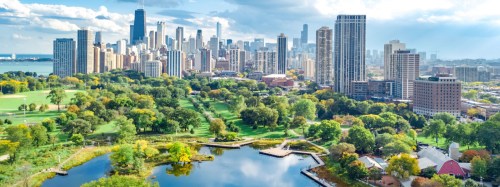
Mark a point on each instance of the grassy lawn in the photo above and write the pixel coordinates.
(246, 130)
(443, 144)
(201, 131)
(10, 103)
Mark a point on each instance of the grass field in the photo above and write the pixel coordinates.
(246, 130)
(201, 131)
(443, 144)
(10, 103)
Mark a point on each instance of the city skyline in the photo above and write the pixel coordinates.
(32, 25)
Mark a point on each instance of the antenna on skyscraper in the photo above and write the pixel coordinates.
(143, 4)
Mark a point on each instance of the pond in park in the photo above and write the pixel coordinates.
(231, 167)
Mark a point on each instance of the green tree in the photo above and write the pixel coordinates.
(403, 166)
(126, 129)
(479, 167)
(356, 170)
(10, 148)
(337, 150)
(217, 126)
(49, 124)
(447, 118)
(435, 129)
(488, 133)
(77, 139)
(300, 122)
(78, 126)
(330, 130)
(179, 152)
(22, 107)
(447, 180)
(471, 94)
(306, 108)
(120, 181)
(412, 134)
(237, 104)
(39, 134)
(377, 108)
(32, 107)
(361, 138)
(19, 133)
(56, 96)
(396, 147)
(122, 158)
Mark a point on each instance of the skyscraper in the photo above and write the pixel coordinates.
(349, 62)
(206, 65)
(153, 68)
(179, 37)
(85, 53)
(324, 61)
(389, 65)
(152, 39)
(160, 34)
(192, 45)
(234, 59)
(98, 37)
(407, 72)
(131, 41)
(139, 26)
(304, 34)
(214, 46)
(219, 30)
(199, 39)
(282, 53)
(64, 57)
(243, 60)
(174, 63)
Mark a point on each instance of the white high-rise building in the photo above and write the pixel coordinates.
(121, 47)
(64, 57)
(234, 59)
(152, 40)
(219, 30)
(153, 69)
(85, 52)
(179, 37)
(350, 49)
(161, 28)
(192, 45)
(389, 65)
(324, 61)
(174, 63)
(214, 46)
(205, 60)
(407, 71)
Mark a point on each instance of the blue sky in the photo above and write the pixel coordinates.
(454, 28)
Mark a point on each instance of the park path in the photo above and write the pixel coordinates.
(50, 169)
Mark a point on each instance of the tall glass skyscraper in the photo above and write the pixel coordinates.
(64, 57)
(139, 26)
(179, 37)
(219, 30)
(350, 49)
(304, 34)
(282, 53)
(199, 39)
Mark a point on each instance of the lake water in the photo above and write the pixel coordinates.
(231, 167)
(41, 68)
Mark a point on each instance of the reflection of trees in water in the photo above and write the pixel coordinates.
(179, 169)
(217, 151)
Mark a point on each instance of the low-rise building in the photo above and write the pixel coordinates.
(274, 80)
(441, 93)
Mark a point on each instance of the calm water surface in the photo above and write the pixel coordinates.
(41, 68)
(231, 167)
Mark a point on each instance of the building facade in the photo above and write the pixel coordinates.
(350, 49)
(64, 52)
(324, 61)
(282, 53)
(407, 71)
(466, 74)
(139, 26)
(174, 63)
(179, 37)
(389, 66)
(437, 94)
(153, 69)
(161, 32)
(234, 59)
(85, 52)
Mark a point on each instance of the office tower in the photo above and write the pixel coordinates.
(131, 40)
(98, 37)
(219, 30)
(266, 61)
(179, 37)
(296, 43)
(139, 26)
(246, 46)
(304, 34)
(160, 34)
(121, 47)
(243, 60)
(441, 93)
(324, 61)
(257, 44)
(64, 52)
(234, 59)
(349, 62)
(153, 68)
(199, 39)
(407, 72)
(85, 52)
(192, 45)
(174, 63)
(390, 66)
(309, 68)
(229, 42)
(466, 74)
(152, 40)
(260, 60)
(282, 53)
(206, 65)
(97, 59)
(214, 46)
